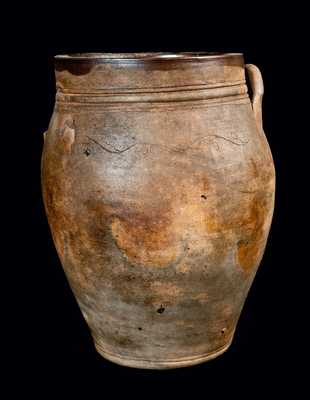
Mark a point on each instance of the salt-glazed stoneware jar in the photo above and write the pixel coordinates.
(158, 185)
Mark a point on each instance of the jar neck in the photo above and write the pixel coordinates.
(180, 94)
(151, 76)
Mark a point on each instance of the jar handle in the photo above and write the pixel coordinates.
(257, 86)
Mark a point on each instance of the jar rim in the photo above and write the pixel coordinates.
(146, 56)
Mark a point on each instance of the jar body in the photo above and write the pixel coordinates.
(160, 213)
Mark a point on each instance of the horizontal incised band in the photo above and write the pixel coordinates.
(202, 92)
(151, 106)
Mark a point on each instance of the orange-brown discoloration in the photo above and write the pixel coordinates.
(166, 289)
(159, 199)
(201, 297)
(159, 236)
(147, 240)
(242, 214)
(248, 254)
(250, 249)
(183, 267)
(163, 293)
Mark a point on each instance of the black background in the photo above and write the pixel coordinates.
(52, 347)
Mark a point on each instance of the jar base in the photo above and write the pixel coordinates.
(157, 364)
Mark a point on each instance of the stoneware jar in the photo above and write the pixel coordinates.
(158, 185)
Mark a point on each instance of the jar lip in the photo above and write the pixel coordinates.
(146, 56)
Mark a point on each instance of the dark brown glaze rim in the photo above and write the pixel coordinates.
(137, 58)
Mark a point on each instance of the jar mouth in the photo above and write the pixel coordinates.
(147, 56)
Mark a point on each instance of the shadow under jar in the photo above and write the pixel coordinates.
(158, 185)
